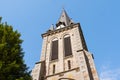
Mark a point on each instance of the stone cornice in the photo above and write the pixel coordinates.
(60, 30)
(63, 72)
(39, 62)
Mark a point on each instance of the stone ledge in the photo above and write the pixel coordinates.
(62, 72)
(60, 30)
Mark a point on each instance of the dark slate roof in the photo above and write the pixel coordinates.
(64, 18)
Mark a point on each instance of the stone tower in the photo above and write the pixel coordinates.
(64, 54)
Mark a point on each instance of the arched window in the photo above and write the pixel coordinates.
(67, 45)
(54, 50)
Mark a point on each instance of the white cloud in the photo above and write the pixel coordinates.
(109, 74)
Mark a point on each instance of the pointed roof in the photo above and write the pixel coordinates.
(64, 18)
(51, 28)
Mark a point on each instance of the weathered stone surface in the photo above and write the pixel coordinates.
(78, 66)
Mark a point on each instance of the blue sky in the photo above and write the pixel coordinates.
(99, 19)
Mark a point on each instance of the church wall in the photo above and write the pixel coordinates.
(75, 75)
(61, 60)
(92, 65)
(43, 51)
(61, 63)
(36, 72)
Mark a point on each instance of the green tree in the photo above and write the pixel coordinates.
(12, 66)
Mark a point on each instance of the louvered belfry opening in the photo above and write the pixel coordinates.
(54, 53)
(67, 46)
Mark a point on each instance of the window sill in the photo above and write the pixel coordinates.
(56, 60)
(68, 56)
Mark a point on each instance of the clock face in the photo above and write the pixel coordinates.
(61, 26)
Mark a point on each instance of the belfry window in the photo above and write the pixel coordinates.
(67, 46)
(54, 50)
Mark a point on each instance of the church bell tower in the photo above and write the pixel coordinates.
(64, 54)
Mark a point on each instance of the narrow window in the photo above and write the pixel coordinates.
(53, 69)
(54, 52)
(69, 64)
(67, 46)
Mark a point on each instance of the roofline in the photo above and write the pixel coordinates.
(59, 30)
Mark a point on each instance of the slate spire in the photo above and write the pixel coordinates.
(64, 19)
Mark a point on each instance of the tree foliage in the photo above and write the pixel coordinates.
(12, 66)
